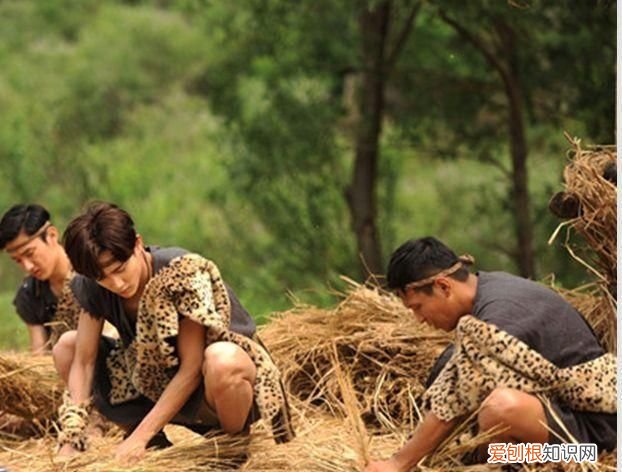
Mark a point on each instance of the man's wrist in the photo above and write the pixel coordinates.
(141, 436)
(401, 462)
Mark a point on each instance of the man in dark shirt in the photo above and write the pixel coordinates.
(437, 286)
(27, 235)
(205, 384)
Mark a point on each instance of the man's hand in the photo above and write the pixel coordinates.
(66, 451)
(388, 465)
(130, 451)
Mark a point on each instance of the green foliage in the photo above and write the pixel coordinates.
(13, 332)
(225, 128)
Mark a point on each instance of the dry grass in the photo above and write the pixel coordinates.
(30, 390)
(325, 443)
(598, 309)
(354, 373)
(597, 221)
(388, 354)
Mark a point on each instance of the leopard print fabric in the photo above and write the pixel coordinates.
(486, 358)
(73, 420)
(190, 286)
(67, 312)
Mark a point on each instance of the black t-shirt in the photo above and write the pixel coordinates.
(101, 302)
(34, 302)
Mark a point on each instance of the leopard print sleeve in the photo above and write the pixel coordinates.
(487, 357)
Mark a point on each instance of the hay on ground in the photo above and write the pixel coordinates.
(387, 352)
(30, 388)
(324, 443)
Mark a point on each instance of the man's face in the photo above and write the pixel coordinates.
(122, 278)
(437, 309)
(35, 256)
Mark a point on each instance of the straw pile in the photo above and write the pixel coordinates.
(332, 345)
(387, 352)
(589, 201)
(30, 389)
(325, 443)
(588, 182)
(598, 310)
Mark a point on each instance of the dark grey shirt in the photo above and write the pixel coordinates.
(536, 315)
(34, 302)
(102, 303)
(543, 320)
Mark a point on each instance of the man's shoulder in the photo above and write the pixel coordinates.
(499, 277)
(508, 287)
(85, 288)
(30, 288)
(162, 256)
(27, 285)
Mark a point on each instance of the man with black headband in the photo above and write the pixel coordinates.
(440, 290)
(30, 239)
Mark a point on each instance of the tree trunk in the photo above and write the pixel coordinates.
(361, 194)
(508, 71)
(518, 151)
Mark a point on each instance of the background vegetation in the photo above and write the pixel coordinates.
(291, 142)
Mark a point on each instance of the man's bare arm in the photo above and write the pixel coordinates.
(190, 346)
(80, 383)
(38, 339)
(428, 435)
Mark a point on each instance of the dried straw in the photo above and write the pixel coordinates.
(324, 443)
(597, 222)
(388, 353)
(364, 360)
(30, 388)
(598, 309)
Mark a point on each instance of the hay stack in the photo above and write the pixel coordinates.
(387, 353)
(306, 343)
(589, 203)
(598, 310)
(588, 183)
(29, 388)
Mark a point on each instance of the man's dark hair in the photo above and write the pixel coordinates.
(102, 227)
(418, 259)
(26, 218)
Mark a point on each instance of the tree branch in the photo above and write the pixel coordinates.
(402, 37)
(496, 246)
(478, 43)
(488, 159)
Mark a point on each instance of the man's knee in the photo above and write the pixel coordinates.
(500, 408)
(226, 364)
(64, 347)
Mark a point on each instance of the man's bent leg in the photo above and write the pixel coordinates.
(229, 377)
(63, 353)
(519, 414)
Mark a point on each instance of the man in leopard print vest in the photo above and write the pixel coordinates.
(515, 338)
(187, 352)
(43, 300)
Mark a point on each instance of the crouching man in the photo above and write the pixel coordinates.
(187, 352)
(44, 300)
(515, 339)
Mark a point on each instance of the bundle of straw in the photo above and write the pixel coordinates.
(598, 309)
(29, 388)
(597, 220)
(387, 352)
